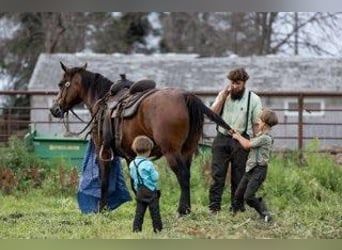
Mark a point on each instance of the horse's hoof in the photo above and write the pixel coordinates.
(184, 213)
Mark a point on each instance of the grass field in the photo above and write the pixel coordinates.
(305, 202)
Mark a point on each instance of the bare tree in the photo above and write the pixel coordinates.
(196, 33)
(41, 33)
(310, 32)
(53, 29)
(264, 22)
(205, 33)
(122, 34)
(263, 33)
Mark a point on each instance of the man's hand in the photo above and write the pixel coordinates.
(231, 132)
(227, 89)
(236, 135)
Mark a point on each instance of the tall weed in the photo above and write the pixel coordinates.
(305, 202)
(292, 183)
(22, 170)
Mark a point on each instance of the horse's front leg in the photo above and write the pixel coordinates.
(104, 177)
(183, 176)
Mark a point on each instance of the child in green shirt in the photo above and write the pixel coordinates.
(256, 166)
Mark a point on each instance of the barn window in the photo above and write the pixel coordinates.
(312, 107)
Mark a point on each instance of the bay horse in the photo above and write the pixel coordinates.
(171, 117)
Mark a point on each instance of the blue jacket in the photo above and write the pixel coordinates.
(89, 190)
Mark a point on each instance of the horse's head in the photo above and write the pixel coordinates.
(70, 90)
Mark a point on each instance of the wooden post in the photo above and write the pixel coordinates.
(300, 127)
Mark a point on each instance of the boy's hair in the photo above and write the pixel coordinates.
(142, 144)
(239, 74)
(269, 117)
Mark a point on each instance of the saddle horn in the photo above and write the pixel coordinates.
(123, 76)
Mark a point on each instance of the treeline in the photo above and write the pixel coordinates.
(23, 36)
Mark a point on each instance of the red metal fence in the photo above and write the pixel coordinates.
(12, 123)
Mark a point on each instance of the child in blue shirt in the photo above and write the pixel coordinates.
(142, 170)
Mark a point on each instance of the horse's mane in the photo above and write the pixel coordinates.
(96, 83)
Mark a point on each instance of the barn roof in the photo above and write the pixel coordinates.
(267, 73)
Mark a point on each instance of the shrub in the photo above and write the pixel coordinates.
(21, 170)
(289, 182)
(61, 180)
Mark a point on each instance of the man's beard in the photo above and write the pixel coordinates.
(237, 95)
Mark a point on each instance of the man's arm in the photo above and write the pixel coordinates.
(217, 106)
(257, 109)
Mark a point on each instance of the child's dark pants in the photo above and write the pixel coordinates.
(154, 211)
(247, 188)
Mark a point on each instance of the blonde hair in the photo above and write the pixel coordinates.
(142, 144)
(269, 117)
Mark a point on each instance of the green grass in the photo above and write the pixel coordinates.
(305, 202)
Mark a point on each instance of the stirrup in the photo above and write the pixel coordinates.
(111, 154)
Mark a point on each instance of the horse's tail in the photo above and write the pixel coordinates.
(197, 109)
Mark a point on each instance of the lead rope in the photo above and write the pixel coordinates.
(70, 133)
(100, 101)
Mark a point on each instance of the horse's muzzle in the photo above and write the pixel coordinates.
(57, 111)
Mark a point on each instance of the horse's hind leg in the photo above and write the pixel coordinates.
(182, 172)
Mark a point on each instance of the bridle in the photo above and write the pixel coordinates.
(100, 106)
(62, 95)
(66, 85)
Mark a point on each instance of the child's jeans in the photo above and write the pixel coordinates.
(247, 188)
(154, 211)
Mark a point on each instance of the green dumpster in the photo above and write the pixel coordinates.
(71, 150)
(204, 148)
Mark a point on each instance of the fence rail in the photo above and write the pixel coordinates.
(16, 120)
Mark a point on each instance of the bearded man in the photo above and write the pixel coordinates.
(240, 108)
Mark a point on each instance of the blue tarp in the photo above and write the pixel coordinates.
(89, 190)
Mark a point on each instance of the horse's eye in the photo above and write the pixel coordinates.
(60, 85)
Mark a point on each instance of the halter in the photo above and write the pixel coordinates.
(62, 97)
(64, 85)
(99, 104)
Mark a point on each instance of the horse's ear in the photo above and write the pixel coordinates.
(64, 67)
(85, 66)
